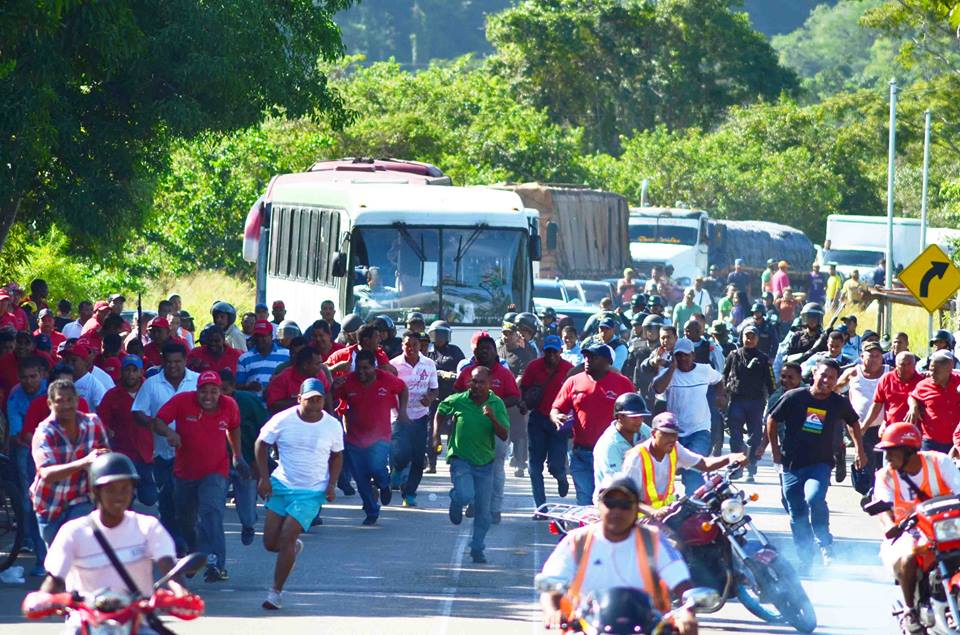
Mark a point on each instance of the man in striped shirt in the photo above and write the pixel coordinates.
(256, 366)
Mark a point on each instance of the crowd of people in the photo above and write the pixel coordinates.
(258, 407)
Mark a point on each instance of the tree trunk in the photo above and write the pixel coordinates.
(8, 215)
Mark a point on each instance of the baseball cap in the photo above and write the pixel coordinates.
(158, 323)
(312, 387)
(262, 327)
(771, 261)
(608, 323)
(131, 360)
(260, 307)
(100, 305)
(868, 334)
(479, 335)
(117, 296)
(750, 329)
(666, 422)
(600, 349)
(872, 346)
(552, 343)
(738, 261)
(683, 345)
(208, 377)
(44, 313)
(4, 294)
(185, 315)
(508, 326)
(278, 304)
(614, 483)
(79, 349)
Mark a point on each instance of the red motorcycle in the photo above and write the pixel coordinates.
(937, 521)
(107, 612)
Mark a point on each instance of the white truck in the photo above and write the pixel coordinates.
(690, 241)
(860, 242)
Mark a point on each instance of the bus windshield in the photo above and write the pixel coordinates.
(466, 276)
(853, 257)
(656, 231)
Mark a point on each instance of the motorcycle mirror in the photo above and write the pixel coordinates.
(549, 584)
(701, 597)
(188, 564)
(877, 507)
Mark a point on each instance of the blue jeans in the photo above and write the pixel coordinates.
(581, 468)
(245, 492)
(746, 413)
(48, 530)
(409, 448)
(698, 443)
(147, 492)
(26, 470)
(473, 485)
(499, 476)
(547, 444)
(201, 504)
(163, 474)
(366, 464)
(805, 489)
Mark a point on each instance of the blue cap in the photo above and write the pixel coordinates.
(261, 307)
(600, 349)
(311, 387)
(552, 343)
(131, 360)
(738, 261)
(608, 323)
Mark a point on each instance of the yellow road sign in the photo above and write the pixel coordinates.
(932, 278)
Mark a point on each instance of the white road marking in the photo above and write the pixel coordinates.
(456, 565)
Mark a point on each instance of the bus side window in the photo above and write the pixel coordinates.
(323, 245)
(552, 232)
(314, 242)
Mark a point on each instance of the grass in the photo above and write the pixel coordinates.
(198, 292)
(911, 320)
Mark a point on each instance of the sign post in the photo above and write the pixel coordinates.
(932, 278)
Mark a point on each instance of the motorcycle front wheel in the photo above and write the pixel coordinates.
(788, 596)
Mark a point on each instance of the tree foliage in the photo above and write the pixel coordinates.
(614, 66)
(95, 90)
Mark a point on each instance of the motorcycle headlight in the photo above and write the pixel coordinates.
(947, 530)
(731, 511)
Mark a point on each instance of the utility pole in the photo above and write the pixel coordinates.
(891, 163)
(923, 200)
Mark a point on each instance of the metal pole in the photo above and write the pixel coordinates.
(891, 156)
(923, 199)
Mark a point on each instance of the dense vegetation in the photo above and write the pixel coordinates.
(684, 93)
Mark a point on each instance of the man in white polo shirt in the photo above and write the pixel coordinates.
(409, 443)
(684, 384)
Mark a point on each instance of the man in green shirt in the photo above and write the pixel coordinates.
(253, 414)
(685, 309)
(478, 415)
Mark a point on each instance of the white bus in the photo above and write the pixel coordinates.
(461, 254)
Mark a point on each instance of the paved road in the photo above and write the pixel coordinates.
(412, 574)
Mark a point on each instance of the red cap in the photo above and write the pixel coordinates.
(159, 323)
(262, 327)
(100, 305)
(79, 349)
(278, 304)
(479, 335)
(208, 377)
(4, 294)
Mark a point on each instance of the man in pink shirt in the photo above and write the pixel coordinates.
(780, 280)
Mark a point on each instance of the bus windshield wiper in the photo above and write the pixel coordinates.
(408, 238)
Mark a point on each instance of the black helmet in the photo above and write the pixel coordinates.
(639, 300)
(351, 323)
(758, 308)
(111, 467)
(655, 300)
(549, 312)
(528, 320)
(224, 307)
(385, 322)
(944, 336)
(639, 317)
(812, 308)
(630, 403)
(439, 325)
(653, 320)
(623, 610)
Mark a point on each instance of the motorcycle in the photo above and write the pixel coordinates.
(622, 610)
(723, 549)
(938, 557)
(726, 552)
(107, 612)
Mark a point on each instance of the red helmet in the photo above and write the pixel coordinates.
(900, 435)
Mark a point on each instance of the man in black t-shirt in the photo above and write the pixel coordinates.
(809, 417)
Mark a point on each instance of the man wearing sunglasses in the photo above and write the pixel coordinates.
(616, 552)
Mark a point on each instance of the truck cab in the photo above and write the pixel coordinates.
(860, 242)
(670, 236)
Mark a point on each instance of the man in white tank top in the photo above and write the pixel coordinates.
(862, 381)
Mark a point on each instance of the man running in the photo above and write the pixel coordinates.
(309, 442)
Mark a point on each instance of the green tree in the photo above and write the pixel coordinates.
(95, 90)
(614, 66)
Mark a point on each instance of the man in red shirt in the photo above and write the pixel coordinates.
(342, 362)
(934, 405)
(321, 341)
(159, 330)
(45, 324)
(10, 314)
(195, 423)
(591, 396)
(283, 391)
(23, 347)
(126, 435)
(503, 385)
(892, 397)
(92, 326)
(368, 395)
(541, 383)
(213, 352)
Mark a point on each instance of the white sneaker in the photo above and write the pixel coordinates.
(274, 600)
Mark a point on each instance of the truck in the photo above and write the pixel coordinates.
(860, 242)
(690, 241)
(583, 231)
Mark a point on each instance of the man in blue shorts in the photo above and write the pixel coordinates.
(310, 444)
